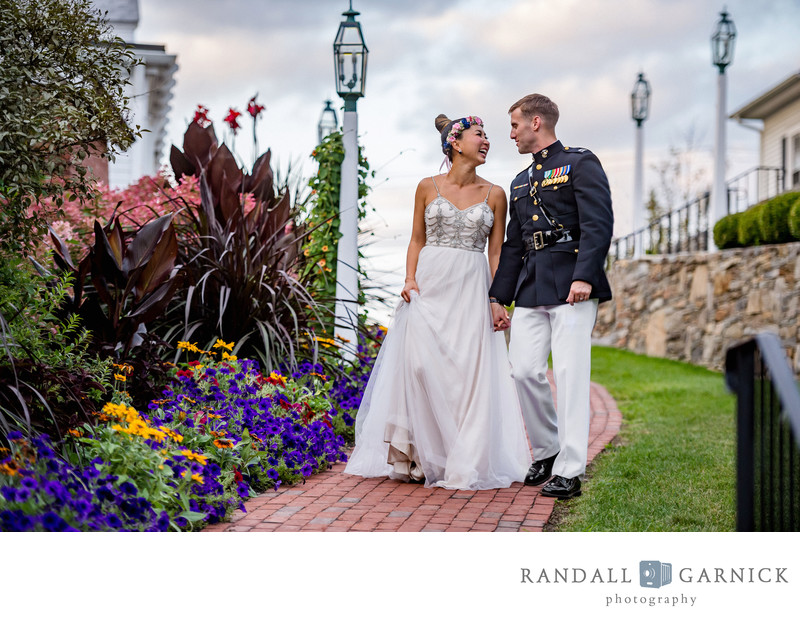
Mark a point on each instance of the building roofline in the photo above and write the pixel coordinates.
(763, 106)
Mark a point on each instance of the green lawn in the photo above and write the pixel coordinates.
(672, 467)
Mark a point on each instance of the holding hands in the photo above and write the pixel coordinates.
(500, 317)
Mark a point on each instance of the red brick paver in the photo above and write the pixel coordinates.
(332, 501)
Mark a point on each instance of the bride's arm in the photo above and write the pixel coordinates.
(417, 240)
(499, 205)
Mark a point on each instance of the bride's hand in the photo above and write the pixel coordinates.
(410, 285)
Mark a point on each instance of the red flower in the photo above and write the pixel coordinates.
(253, 108)
(187, 373)
(231, 120)
(193, 363)
(237, 476)
(201, 116)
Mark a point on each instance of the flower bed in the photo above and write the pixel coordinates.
(221, 433)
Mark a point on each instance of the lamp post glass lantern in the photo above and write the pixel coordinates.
(328, 121)
(350, 57)
(640, 100)
(722, 42)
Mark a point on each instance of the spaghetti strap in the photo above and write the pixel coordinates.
(435, 186)
(487, 194)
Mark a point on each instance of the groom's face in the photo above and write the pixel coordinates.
(522, 131)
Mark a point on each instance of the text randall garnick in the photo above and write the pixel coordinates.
(617, 575)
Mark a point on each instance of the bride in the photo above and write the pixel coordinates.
(440, 406)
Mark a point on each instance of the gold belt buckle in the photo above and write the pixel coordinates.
(538, 240)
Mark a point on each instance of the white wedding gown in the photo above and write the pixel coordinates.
(440, 401)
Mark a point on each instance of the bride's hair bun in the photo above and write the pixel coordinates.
(441, 122)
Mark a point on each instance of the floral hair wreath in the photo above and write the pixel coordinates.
(457, 128)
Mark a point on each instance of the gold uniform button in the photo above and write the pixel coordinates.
(538, 167)
(576, 250)
(535, 217)
(535, 184)
(566, 148)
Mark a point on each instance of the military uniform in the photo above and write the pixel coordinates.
(539, 262)
(574, 189)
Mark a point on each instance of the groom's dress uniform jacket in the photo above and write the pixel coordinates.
(574, 189)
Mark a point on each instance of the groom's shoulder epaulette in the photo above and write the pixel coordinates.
(576, 150)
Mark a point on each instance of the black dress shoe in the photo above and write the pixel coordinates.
(540, 471)
(562, 488)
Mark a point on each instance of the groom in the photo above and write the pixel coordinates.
(552, 269)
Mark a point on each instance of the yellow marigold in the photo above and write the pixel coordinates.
(120, 377)
(188, 345)
(221, 344)
(194, 477)
(173, 434)
(9, 468)
(275, 376)
(229, 357)
(148, 433)
(197, 457)
(123, 367)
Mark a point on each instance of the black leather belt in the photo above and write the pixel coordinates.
(543, 239)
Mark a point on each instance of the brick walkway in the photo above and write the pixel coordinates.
(335, 502)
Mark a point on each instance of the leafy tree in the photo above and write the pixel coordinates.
(62, 97)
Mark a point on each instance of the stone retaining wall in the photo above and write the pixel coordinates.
(693, 307)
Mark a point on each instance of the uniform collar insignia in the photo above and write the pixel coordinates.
(548, 151)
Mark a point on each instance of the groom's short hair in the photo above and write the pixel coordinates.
(537, 105)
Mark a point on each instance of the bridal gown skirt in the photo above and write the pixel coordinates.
(440, 401)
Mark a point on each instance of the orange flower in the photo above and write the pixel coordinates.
(223, 443)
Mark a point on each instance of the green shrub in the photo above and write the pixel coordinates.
(749, 226)
(726, 231)
(794, 220)
(774, 218)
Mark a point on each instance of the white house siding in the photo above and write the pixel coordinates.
(785, 123)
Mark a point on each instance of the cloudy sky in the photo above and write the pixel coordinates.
(462, 57)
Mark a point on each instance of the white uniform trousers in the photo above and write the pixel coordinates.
(567, 332)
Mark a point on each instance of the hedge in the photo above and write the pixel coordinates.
(776, 220)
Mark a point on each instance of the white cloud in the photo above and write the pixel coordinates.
(475, 57)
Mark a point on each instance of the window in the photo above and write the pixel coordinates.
(796, 161)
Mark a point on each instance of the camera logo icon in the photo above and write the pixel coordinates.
(654, 574)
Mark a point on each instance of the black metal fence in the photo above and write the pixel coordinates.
(682, 230)
(687, 228)
(757, 184)
(768, 435)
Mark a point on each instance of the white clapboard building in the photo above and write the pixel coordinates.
(150, 92)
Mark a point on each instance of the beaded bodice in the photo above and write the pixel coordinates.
(447, 226)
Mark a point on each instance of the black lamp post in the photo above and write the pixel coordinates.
(350, 64)
(328, 121)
